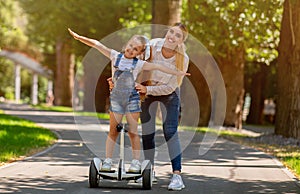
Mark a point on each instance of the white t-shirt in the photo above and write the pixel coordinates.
(163, 83)
(125, 64)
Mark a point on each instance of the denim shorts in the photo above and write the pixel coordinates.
(125, 102)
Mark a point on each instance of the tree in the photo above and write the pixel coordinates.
(160, 12)
(48, 27)
(49, 30)
(232, 31)
(288, 102)
(166, 12)
(13, 38)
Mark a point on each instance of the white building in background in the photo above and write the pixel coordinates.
(22, 61)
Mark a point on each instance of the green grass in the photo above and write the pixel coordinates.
(104, 116)
(53, 108)
(293, 163)
(223, 133)
(19, 138)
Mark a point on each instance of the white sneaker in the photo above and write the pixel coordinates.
(176, 183)
(135, 166)
(154, 179)
(106, 166)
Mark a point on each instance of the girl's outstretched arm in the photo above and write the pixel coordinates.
(92, 43)
(152, 66)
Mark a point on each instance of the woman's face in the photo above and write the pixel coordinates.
(133, 48)
(174, 37)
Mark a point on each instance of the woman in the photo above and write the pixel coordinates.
(164, 88)
(124, 99)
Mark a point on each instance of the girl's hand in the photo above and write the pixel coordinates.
(75, 35)
(140, 88)
(184, 73)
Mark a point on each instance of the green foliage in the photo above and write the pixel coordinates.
(9, 93)
(13, 21)
(26, 83)
(6, 77)
(42, 88)
(47, 24)
(139, 12)
(223, 26)
(19, 137)
(8, 30)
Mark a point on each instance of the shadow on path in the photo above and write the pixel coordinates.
(226, 168)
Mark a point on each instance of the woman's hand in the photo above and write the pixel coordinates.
(75, 35)
(140, 88)
(110, 83)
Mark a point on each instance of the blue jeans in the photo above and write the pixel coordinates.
(170, 114)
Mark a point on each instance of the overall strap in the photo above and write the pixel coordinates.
(118, 60)
(135, 60)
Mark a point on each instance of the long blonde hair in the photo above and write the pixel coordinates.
(180, 51)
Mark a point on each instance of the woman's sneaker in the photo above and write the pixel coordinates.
(135, 166)
(106, 166)
(176, 183)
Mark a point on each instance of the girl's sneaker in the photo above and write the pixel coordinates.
(176, 183)
(135, 166)
(106, 166)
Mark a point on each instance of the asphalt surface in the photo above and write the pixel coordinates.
(226, 167)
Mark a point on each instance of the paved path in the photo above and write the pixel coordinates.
(226, 168)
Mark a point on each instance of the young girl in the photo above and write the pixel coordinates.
(124, 98)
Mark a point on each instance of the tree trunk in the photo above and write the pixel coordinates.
(232, 68)
(202, 95)
(288, 103)
(165, 12)
(102, 93)
(64, 79)
(257, 88)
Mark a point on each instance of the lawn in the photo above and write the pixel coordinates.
(104, 116)
(20, 138)
(293, 163)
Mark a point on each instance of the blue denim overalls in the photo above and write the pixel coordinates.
(124, 92)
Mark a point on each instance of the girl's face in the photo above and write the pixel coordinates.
(174, 37)
(133, 48)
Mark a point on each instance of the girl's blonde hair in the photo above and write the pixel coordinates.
(140, 38)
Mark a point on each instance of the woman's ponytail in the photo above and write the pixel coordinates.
(180, 50)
